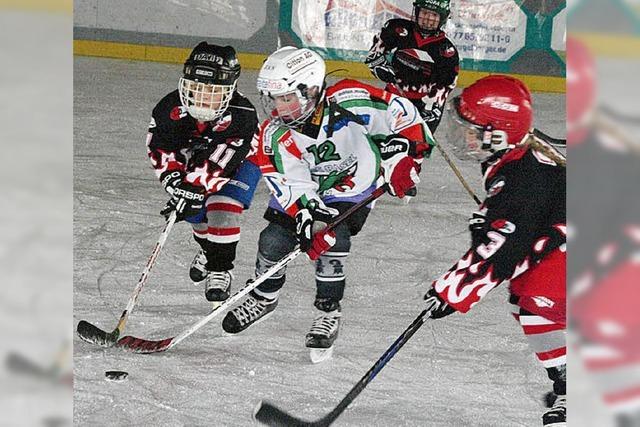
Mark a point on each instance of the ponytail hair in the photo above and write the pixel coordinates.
(545, 149)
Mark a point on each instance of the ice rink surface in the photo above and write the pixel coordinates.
(466, 370)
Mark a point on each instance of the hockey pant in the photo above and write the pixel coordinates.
(278, 240)
(606, 320)
(539, 306)
(217, 227)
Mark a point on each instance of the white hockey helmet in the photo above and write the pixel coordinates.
(291, 83)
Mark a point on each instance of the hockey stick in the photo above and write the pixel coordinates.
(452, 165)
(91, 333)
(271, 415)
(455, 170)
(140, 345)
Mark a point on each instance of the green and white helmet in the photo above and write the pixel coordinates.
(441, 7)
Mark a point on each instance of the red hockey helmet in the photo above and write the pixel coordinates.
(581, 90)
(492, 114)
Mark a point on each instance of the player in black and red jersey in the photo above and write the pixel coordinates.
(198, 139)
(417, 60)
(519, 232)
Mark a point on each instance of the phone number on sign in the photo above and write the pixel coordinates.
(482, 38)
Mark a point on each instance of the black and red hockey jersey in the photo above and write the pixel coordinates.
(428, 88)
(207, 152)
(525, 220)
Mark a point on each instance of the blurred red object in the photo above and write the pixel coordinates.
(581, 90)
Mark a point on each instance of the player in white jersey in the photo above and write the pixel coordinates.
(321, 151)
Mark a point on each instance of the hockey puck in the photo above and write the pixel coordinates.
(116, 375)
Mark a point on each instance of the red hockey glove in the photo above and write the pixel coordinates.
(403, 177)
(321, 243)
(438, 308)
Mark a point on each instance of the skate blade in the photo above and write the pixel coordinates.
(319, 355)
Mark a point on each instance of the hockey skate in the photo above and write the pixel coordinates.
(198, 271)
(556, 416)
(217, 285)
(324, 332)
(254, 309)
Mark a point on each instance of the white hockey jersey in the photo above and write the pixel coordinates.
(341, 152)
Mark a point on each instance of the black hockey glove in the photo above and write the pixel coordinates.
(434, 303)
(379, 67)
(187, 201)
(311, 220)
(171, 179)
(385, 73)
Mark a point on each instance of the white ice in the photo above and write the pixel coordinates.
(474, 369)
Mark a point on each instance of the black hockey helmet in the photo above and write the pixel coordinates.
(212, 64)
(209, 80)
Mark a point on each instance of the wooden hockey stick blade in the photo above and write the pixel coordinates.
(94, 335)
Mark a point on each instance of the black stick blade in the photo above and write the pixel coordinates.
(271, 415)
(94, 335)
(142, 346)
(19, 364)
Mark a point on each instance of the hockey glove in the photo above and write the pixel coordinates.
(315, 217)
(171, 179)
(438, 308)
(187, 201)
(384, 73)
(379, 67)
(403, 177)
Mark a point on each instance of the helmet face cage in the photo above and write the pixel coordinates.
(470, 141)
(205, 102)
(439, 7)
(290, 109)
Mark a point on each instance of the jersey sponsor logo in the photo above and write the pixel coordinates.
(496, 187)
(503, 226)
(288, 141)
(178, 112)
